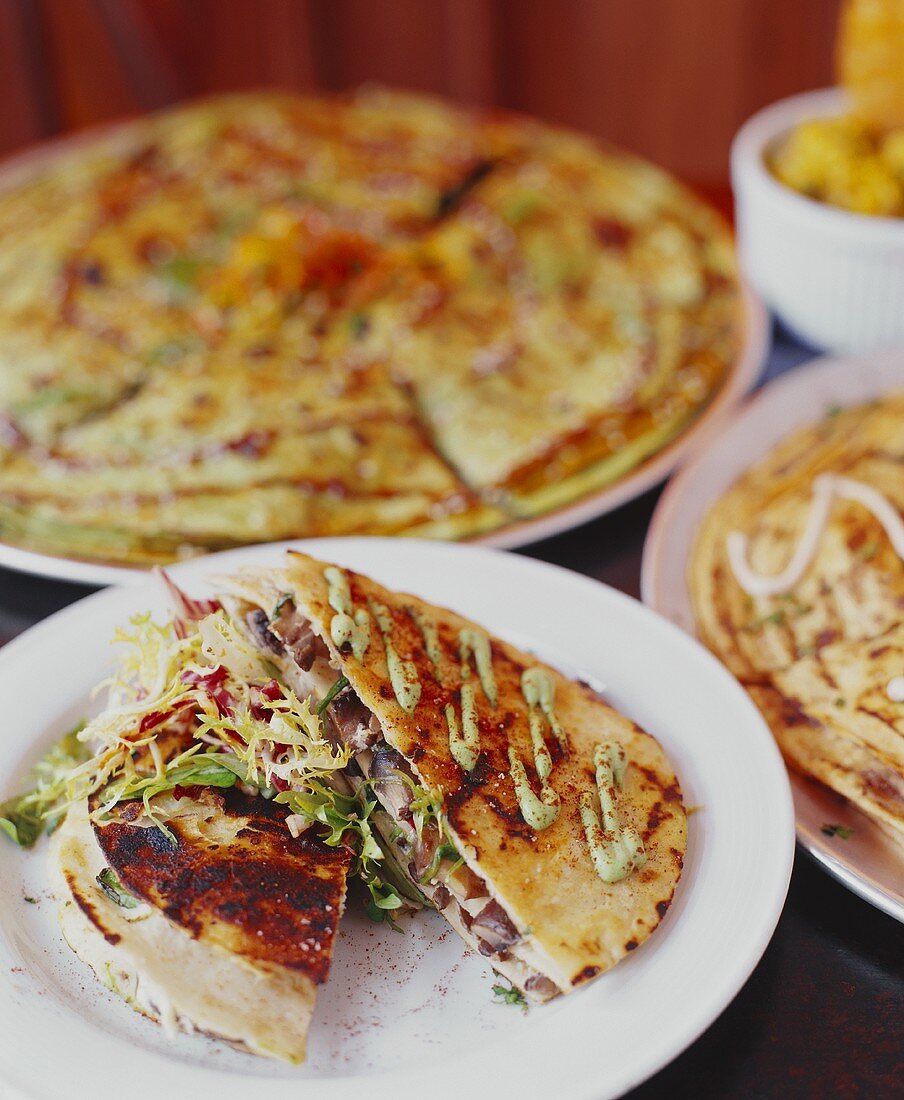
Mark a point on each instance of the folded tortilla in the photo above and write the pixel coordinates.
(227, 932)
(521, 857)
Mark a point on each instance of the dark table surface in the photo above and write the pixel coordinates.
(823, 1013)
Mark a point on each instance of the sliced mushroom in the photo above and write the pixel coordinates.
(492, 927)
(259, 625)
(393, 791)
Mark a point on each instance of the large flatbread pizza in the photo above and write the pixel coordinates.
(261, 316)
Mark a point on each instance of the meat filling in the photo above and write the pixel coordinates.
(430, 860)
(297, 635)
(351, 723)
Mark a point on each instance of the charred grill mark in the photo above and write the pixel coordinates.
(259, 892)
(885, 792)
(87, 907)
(655, 818)
(585, 975)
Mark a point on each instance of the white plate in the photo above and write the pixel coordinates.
(417, 1009)
(741, 376)
(867, 862)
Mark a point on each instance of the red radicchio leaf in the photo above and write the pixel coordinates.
(187, 609)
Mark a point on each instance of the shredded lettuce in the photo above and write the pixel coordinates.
(25, 817)
(194, 703)
(347, 821)
(108, 883)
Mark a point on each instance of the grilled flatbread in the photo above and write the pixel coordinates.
(261, 316)
(228, 931)
(819, 656)
(485, 762)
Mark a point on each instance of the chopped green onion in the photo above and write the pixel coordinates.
(340, 685)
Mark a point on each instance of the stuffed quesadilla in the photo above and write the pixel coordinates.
(310, 726)
(797, 580)
(546, 827)
(188, 886)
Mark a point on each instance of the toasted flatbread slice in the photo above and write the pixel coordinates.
(229, 932)
(854, 586)
(822, 746)
(818, 658)
(531, 898)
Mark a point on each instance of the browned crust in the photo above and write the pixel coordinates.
(253, 889)
(546, 879)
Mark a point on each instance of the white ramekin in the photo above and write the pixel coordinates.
(835, 278)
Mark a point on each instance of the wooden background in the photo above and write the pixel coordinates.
(671, 79)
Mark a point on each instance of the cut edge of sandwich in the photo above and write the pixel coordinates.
(164, 973)
(452, 884)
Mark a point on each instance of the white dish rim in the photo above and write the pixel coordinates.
(762, 913)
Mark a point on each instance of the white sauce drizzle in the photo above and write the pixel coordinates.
(825, 488)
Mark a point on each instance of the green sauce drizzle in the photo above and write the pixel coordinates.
(542, 757)
(402, 673)
(473, 644)
(348, 626)
(464, 742)
(616, 851)
(540, 812)
(431, 639)
(539, 690)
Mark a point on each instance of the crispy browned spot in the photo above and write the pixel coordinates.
(242, 881)
(586, 974)
(86, 905)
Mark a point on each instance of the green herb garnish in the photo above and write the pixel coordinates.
(180, 272)
(340, 685)
(360, 324)
(520, 207)
(775, 618)
(509, 995)
(845, 832)
(868, 552)
(109, 884)
(286, 597)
